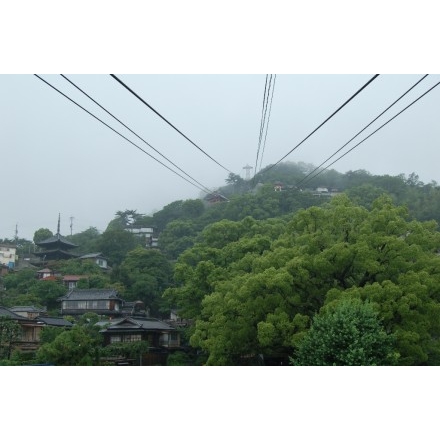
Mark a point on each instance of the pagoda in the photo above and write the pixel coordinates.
(56, 247)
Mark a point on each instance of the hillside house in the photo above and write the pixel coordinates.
(71, 281)
(29, 340)
(98, 259)
(145, 233)
(29, 312)
(100, 301)
(214, 198)
(8, 255)
(161, 337)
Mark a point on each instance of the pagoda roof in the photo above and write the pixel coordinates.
(56, 240)
(55, 254)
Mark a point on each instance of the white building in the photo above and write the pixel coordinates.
(8, 255)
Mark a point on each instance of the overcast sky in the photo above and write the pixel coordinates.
(56, 158)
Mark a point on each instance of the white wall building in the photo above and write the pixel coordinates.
(8, 255)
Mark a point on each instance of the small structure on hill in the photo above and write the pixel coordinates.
(56, 248)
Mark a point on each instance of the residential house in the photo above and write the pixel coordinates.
(31, 325)
(98, 259)
(71, 281)
(30, 312)
(214, 198)
(147, 233)
(8, 255)
(161, 337)
(45, 273)
(100, 301)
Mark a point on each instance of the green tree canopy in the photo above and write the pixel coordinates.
(146, 273)
(252, 287)
(348, 334)
(42, 234)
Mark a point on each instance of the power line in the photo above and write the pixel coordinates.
(359, 132)
(168, 122)
(375, 131)
(263, 116)
(319, 126)
(111, 128)
(268, 119)
(128, 128)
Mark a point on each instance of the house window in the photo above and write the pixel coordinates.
(115, 338)
(132, 338)
(164, 339)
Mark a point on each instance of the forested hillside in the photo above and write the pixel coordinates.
(347, 276)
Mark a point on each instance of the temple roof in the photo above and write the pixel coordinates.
(56, 241)
(55, 254)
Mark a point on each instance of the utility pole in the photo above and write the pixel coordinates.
(71, 225)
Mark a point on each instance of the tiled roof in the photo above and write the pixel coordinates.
(130, 323)
(54, 321)
(74, 277)
(4, 312)
(31, 309)
(88, 294)
(57, 238)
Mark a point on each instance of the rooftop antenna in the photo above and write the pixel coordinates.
(248, 169)
(16, 234)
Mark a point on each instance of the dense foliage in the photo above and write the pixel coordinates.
(253, 287)
(266, 274)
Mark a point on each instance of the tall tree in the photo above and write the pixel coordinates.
(42, 234)
(252, 286)
(146, 273)
(348, 334)
(10, 332)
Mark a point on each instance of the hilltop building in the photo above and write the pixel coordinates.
(55, 248)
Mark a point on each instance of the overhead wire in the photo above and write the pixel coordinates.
(166, 120)
(268, 120)
(375, 131)
(263, 117)
(319, 126)
(111, 128)
(128, 128)
(361, 131)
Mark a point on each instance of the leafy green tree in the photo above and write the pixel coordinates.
(77, 267)
(128, 350)
(79, 345)
(177, 236)
(192, 208)
(48, 292)
(348, 334)
(251, 287)
(42, 234)
(87, 241)
(146, 273)
(116, 243)
(10, 332)
(49, 334)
